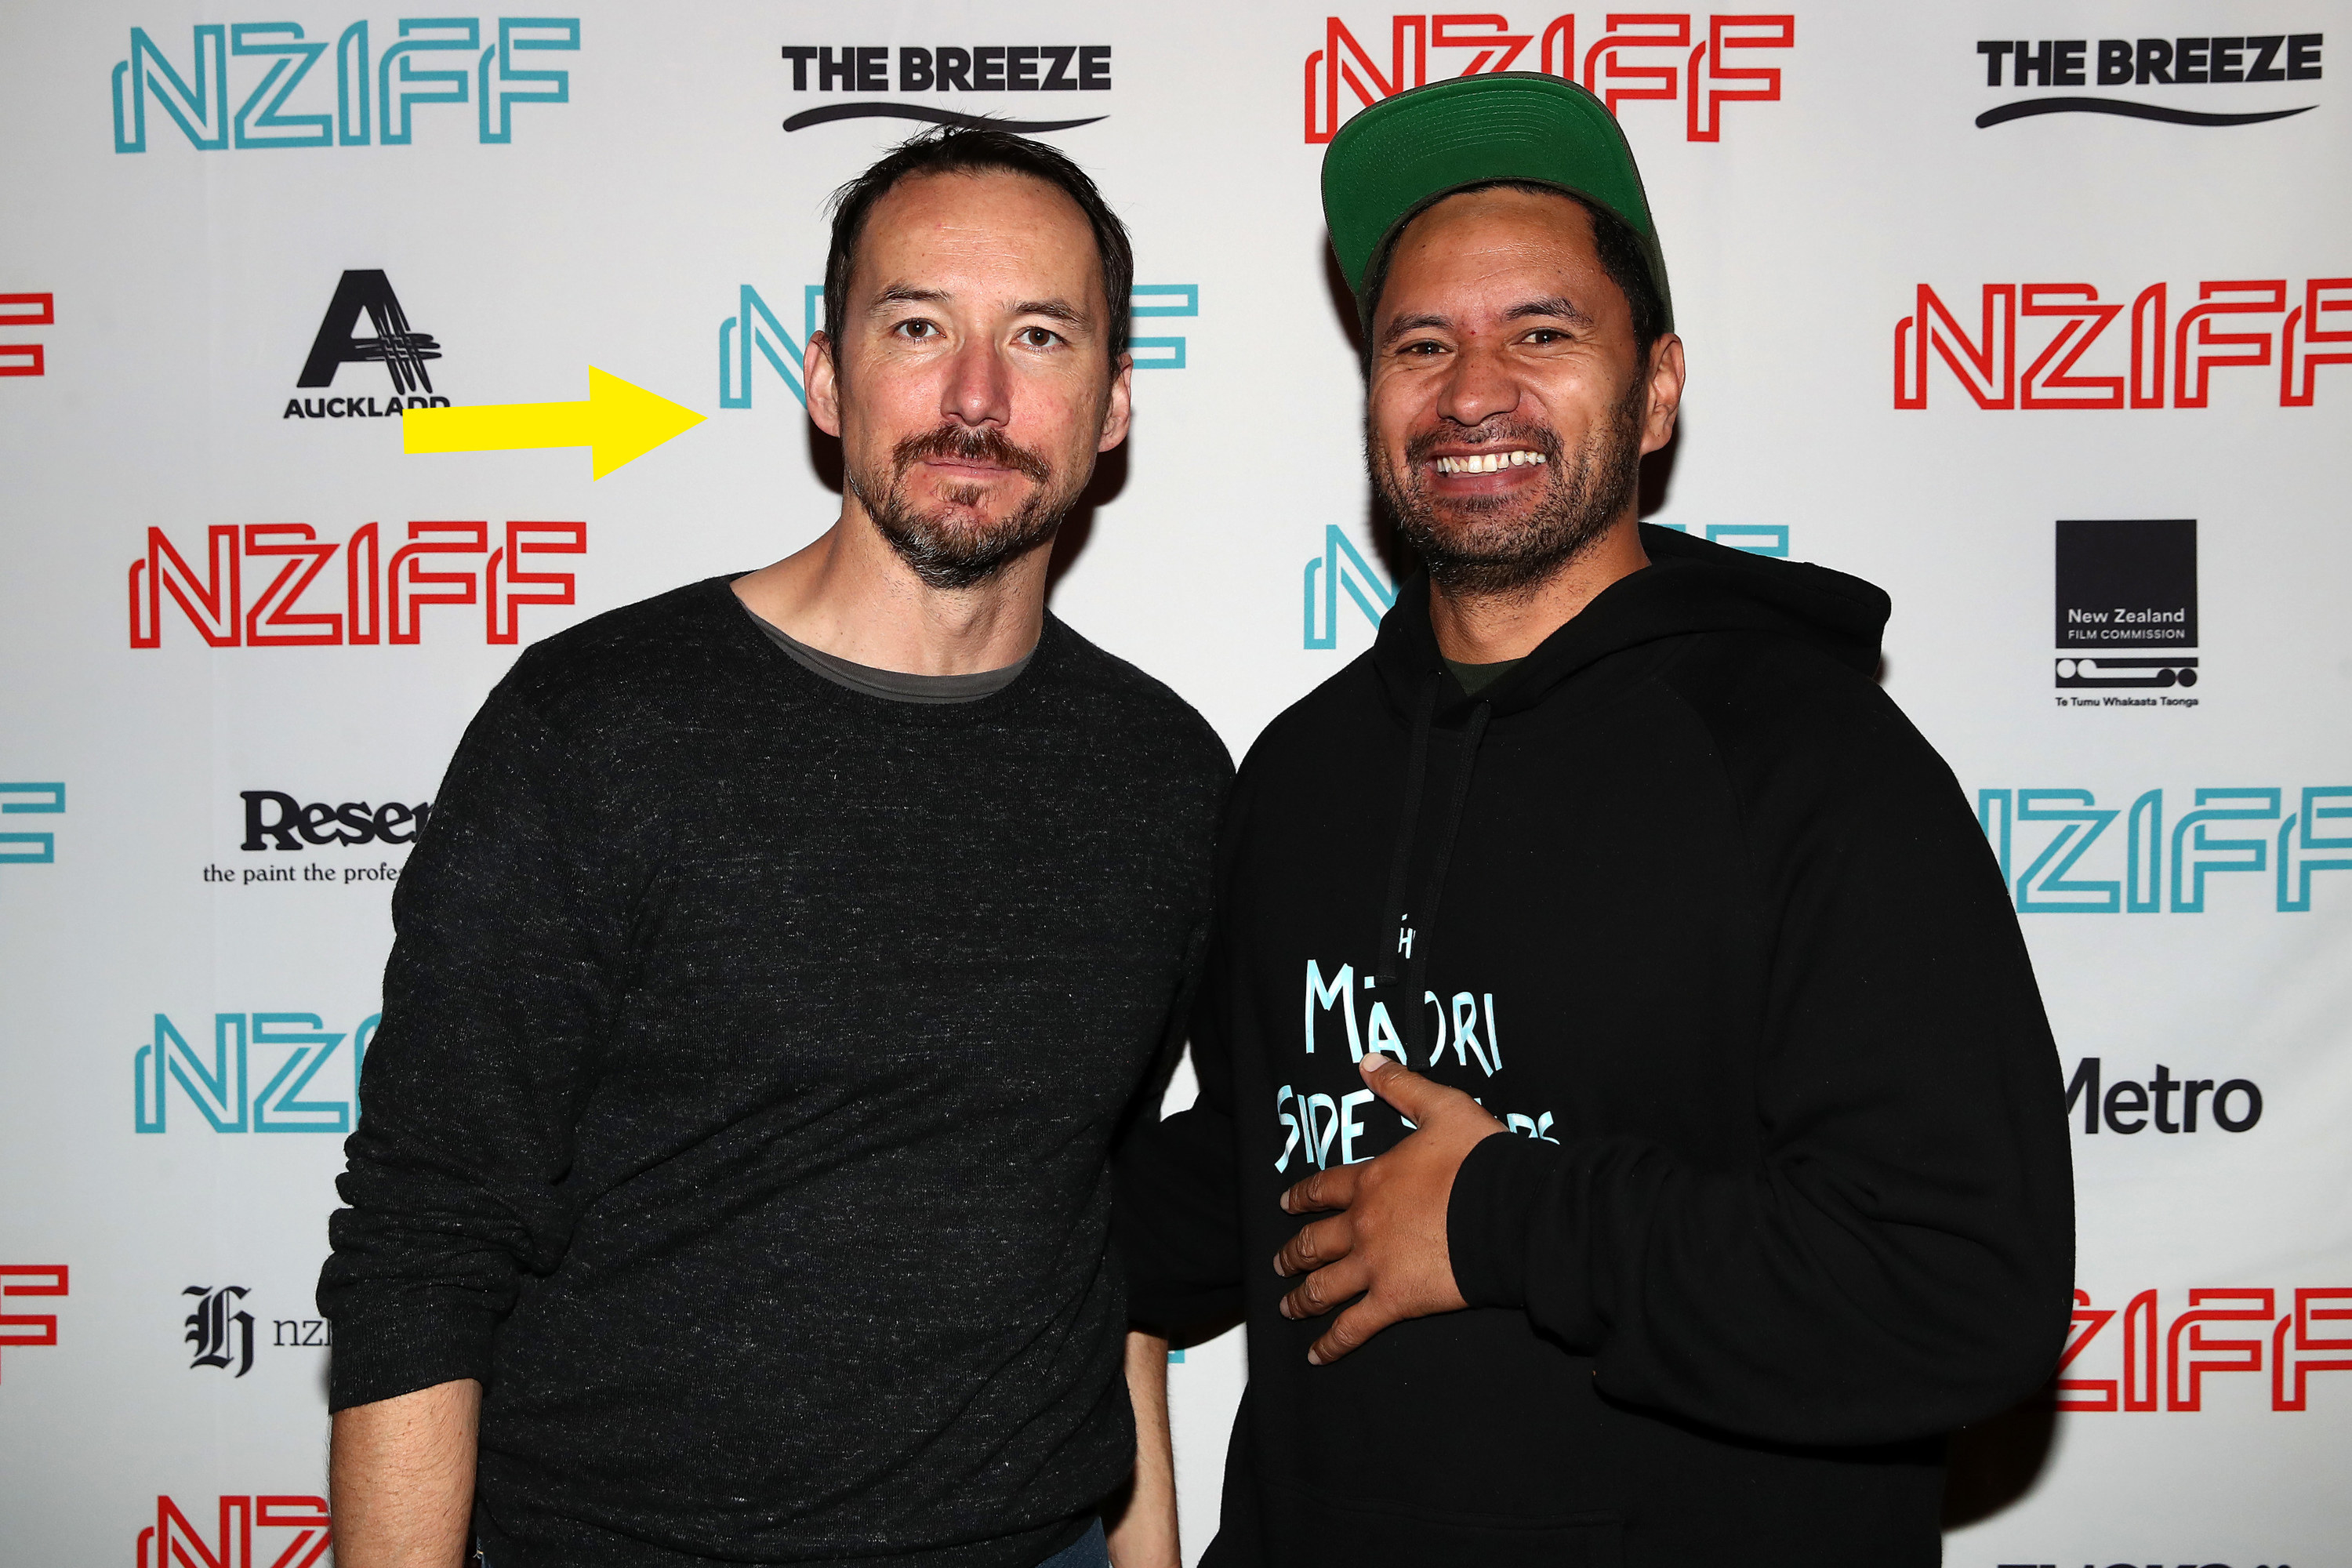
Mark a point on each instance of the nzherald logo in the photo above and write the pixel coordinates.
(389, 580)
(26, 310)
(433, 63)
(2062, 333)
(1699, 62)
(2152, 63)
(945, 71)
(220, 1331)
(403, 353)
(175, 1541)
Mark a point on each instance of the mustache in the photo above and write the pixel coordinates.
(962, 444)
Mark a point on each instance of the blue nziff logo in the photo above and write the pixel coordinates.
(40, 799)
(755, 326)
(2256, 832)
(371, 104)
(1342, 565)
(294, 1047)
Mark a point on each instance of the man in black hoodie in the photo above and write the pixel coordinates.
(1673, 1090)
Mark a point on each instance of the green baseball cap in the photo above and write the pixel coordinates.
(1392, 160)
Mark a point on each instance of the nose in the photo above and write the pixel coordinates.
(1478, 387)
(978, 389)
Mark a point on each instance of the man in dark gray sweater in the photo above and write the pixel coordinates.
(784, 955)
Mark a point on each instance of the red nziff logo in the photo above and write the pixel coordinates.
(1634, 57)
(174, 1541)
(2155, 361)
(2290, 1333)
(383, 599)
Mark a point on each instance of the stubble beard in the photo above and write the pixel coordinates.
(949, 545)
(1499, 546)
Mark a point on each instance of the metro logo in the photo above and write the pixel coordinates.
(175, 1543)
(2300, 1332)
(2313, 327)
(381, 603)
(1642, 55)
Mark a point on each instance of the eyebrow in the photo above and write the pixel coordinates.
(1557, 305)
(1052, 310)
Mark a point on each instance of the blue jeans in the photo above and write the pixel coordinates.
(1088, 1551)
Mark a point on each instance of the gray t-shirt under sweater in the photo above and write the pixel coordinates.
(892, 685)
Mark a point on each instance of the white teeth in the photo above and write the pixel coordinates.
(1488, 462)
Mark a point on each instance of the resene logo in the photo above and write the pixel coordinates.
(294, 1047)
(26, 310)
(946, 68)
(2269, 322)
(174, 1541)
(403, 352)
(2290, 1333)
(2292, 839)
(37, 799)
(1342, 567)
(754, 326)
(1646, 57)
(27, 1331)
(437, 61)
(384, 599)
(2148, 63)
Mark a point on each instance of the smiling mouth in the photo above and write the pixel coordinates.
(1488, 462)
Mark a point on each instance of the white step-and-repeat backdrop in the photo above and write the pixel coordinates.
(2040, 316)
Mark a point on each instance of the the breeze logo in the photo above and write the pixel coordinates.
(174, 1541)
(435, 62)
(1633, 56)
(2146, 62)
(755, 326)
(27, 1331)
(402, 351)
(34, 799)
(1343, 566)
(384, 599)
(945, 68)
(295, 1047)
(2295, 328)
(2159, 1367)
(2253, 832)
(26, 310)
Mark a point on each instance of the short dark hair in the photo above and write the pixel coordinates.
(972, 150)
(1620, 248)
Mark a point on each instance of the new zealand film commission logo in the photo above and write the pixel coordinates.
(1646, 57)
(2125, 586)
(437, 60)
(755, 326)
(294, 1048)
(2294, 325)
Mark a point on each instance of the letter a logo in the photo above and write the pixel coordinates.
(399, 350)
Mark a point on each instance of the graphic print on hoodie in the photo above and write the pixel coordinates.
(1785, 1194)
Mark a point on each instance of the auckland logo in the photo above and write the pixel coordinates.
(2148, 63)
(392, 342)
(945, 68)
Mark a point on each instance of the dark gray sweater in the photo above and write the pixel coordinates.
(751, 1048)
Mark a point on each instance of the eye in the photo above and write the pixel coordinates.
(916, 330)
(1544, 337)
(1037, 338)
(1421, 348)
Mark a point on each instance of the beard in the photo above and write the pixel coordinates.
(1481, 545)
(952, 545)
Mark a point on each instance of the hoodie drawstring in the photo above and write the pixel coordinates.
(1415, 944)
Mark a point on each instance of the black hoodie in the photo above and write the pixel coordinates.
(1687, 902)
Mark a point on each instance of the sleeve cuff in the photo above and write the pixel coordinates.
(1490, 1214)
(384, 1357)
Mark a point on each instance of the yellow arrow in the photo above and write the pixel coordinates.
(618, 423)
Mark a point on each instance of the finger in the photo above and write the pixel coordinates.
(1325, 1241)
(1327, 1287)
(1414, 1096)
(1349, 1331)
(1334, 1189)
